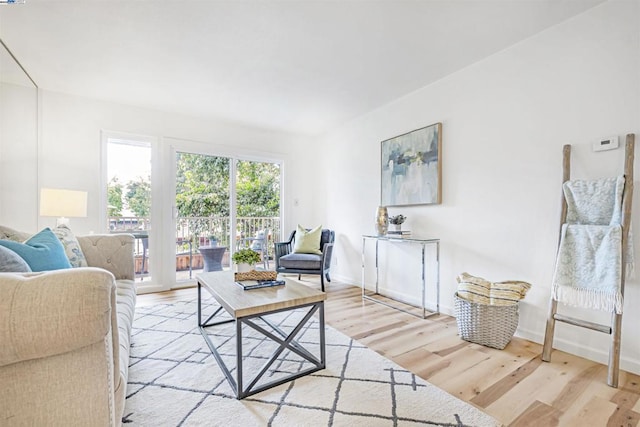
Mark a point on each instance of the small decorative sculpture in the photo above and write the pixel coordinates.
(382, 220)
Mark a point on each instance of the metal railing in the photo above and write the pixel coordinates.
(203, 230)
(193, 232)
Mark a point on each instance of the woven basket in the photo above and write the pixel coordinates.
(490, 325)
(256, 275)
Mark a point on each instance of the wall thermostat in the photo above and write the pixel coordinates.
(603, 144)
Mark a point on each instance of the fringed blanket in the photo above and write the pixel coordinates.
(589, 263)
(596, 202)
(588, 269)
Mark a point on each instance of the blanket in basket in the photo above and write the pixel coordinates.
(481, 291)
(588, 269)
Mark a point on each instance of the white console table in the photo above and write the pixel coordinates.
(423, 243)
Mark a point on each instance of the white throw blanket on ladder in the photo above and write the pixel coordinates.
(589, 264)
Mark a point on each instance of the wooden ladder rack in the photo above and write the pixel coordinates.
(614, 328)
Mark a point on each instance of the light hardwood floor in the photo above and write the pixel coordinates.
(513, 385)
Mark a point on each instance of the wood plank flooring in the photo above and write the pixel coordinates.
(513, 385)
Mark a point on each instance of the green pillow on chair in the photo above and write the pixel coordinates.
(308, 242)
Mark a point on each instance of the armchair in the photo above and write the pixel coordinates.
(289, 262)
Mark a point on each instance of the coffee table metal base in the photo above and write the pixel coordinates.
(285, 342)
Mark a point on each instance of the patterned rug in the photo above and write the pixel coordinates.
(175, 381)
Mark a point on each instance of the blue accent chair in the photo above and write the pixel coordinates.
(289, 262)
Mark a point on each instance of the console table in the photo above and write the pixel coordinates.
(423, 243)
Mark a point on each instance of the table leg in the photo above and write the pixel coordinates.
(285, 342)
(199, 303)
(240, 389)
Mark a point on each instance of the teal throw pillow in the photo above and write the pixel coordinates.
(308, 242)
(42, 252)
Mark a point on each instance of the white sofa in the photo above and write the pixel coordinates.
(64, 339)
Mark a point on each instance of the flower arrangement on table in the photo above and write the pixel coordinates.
(397, 220)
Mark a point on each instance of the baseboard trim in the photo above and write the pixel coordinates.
(596, 355)
(402, 298)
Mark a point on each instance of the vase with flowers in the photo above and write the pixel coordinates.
(397, 221)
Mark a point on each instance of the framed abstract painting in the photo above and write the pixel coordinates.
(411, 168)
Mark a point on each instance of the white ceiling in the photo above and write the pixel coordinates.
(303, 66)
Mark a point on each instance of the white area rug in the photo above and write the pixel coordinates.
(175, 381)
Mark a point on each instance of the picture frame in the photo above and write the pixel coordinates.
(411, 168)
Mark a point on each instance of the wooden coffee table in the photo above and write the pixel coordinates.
(244, 307)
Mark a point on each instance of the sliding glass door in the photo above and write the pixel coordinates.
(223, 204)
(258, 207)
(219, 201)
(203, 207)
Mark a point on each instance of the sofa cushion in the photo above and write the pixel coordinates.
(11, 262)
(7, 233)
(308, 242)
(42, 252)
(71, 246)
(301, 261)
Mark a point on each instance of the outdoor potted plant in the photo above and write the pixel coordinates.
(245, 259)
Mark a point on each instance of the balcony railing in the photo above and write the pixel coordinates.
(201, 231)
(193, 232)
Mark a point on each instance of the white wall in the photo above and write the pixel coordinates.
(18, 145)
(71, 158)
(505, 120)
(18, 154)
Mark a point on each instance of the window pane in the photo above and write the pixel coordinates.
(203, 222)
(258, 207)
(129, 197)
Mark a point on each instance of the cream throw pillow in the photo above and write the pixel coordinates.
(308, 242)
(71, 246)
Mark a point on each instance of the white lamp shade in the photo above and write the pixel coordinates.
(63, 203)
